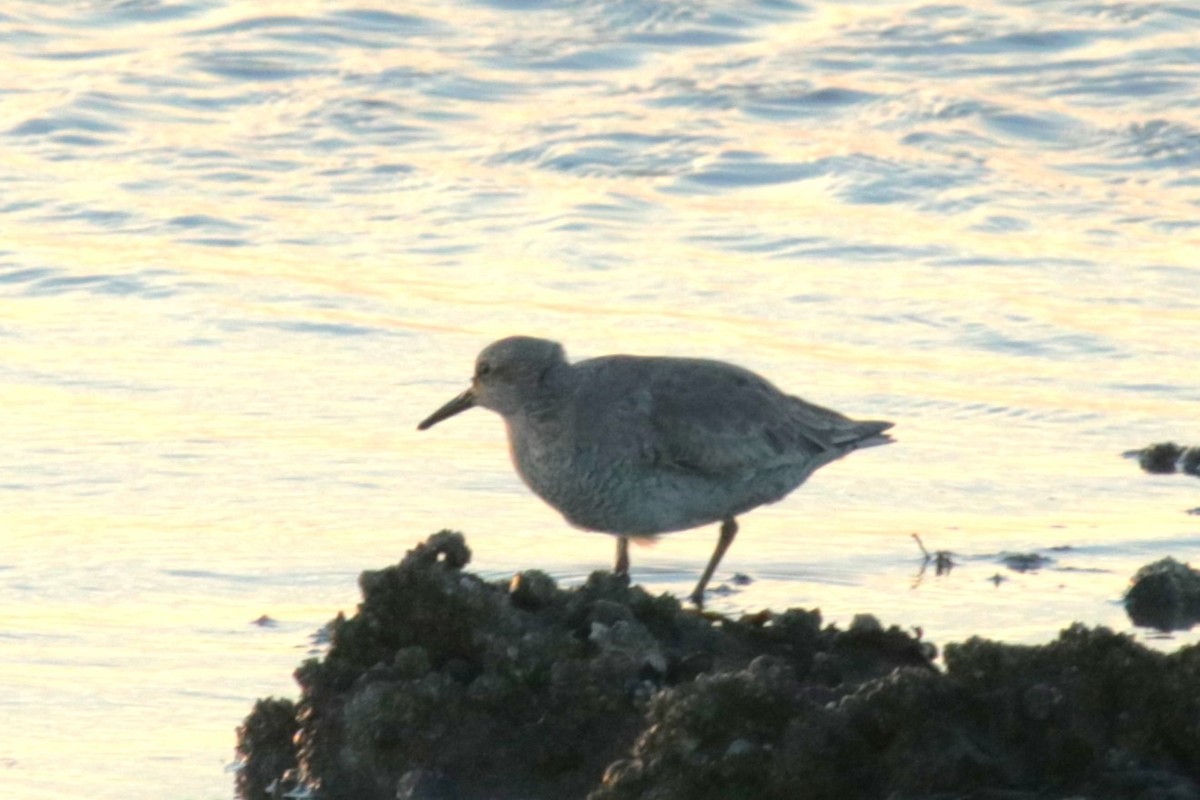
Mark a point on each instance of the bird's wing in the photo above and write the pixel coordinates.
(719, 419)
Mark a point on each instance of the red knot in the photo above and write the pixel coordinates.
(639, 446)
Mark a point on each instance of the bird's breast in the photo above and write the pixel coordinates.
(597, 489)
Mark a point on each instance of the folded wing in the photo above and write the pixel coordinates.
(735, 422)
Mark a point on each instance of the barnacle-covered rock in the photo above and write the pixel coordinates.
(1164, 595)
(444, 686)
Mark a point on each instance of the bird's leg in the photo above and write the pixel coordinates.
(622, 566)
(729, 529)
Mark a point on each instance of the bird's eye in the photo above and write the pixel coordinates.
(483, 369)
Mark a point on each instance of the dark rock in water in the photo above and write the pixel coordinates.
(1025, 562)
(1164, 595)
(1160, 458)
(1167, 457)
(443, 685)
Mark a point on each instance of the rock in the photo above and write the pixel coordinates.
(443, 685)
(1003, 721)
(1164, 595)
(1167, 457)
(1159, 458)
(1025, 562)
(265, 749)
(420, 784)
(532, 589)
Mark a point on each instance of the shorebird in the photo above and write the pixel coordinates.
(639, 446)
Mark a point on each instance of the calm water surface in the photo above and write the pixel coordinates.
(247, 246)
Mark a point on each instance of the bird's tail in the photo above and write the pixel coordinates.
(870, 433)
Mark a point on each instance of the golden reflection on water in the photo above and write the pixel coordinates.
(204, 444)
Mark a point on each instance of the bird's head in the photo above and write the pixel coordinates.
(509, 375)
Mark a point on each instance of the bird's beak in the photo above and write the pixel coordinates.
(456, 406)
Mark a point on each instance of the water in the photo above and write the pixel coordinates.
(246, 247)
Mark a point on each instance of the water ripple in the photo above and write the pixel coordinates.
(279, 228)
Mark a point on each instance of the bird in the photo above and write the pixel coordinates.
(639, 446)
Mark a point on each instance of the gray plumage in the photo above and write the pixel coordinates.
(638, 446)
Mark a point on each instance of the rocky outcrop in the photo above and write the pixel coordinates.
(444, 686)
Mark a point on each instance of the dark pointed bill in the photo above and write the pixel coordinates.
(456, 406)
